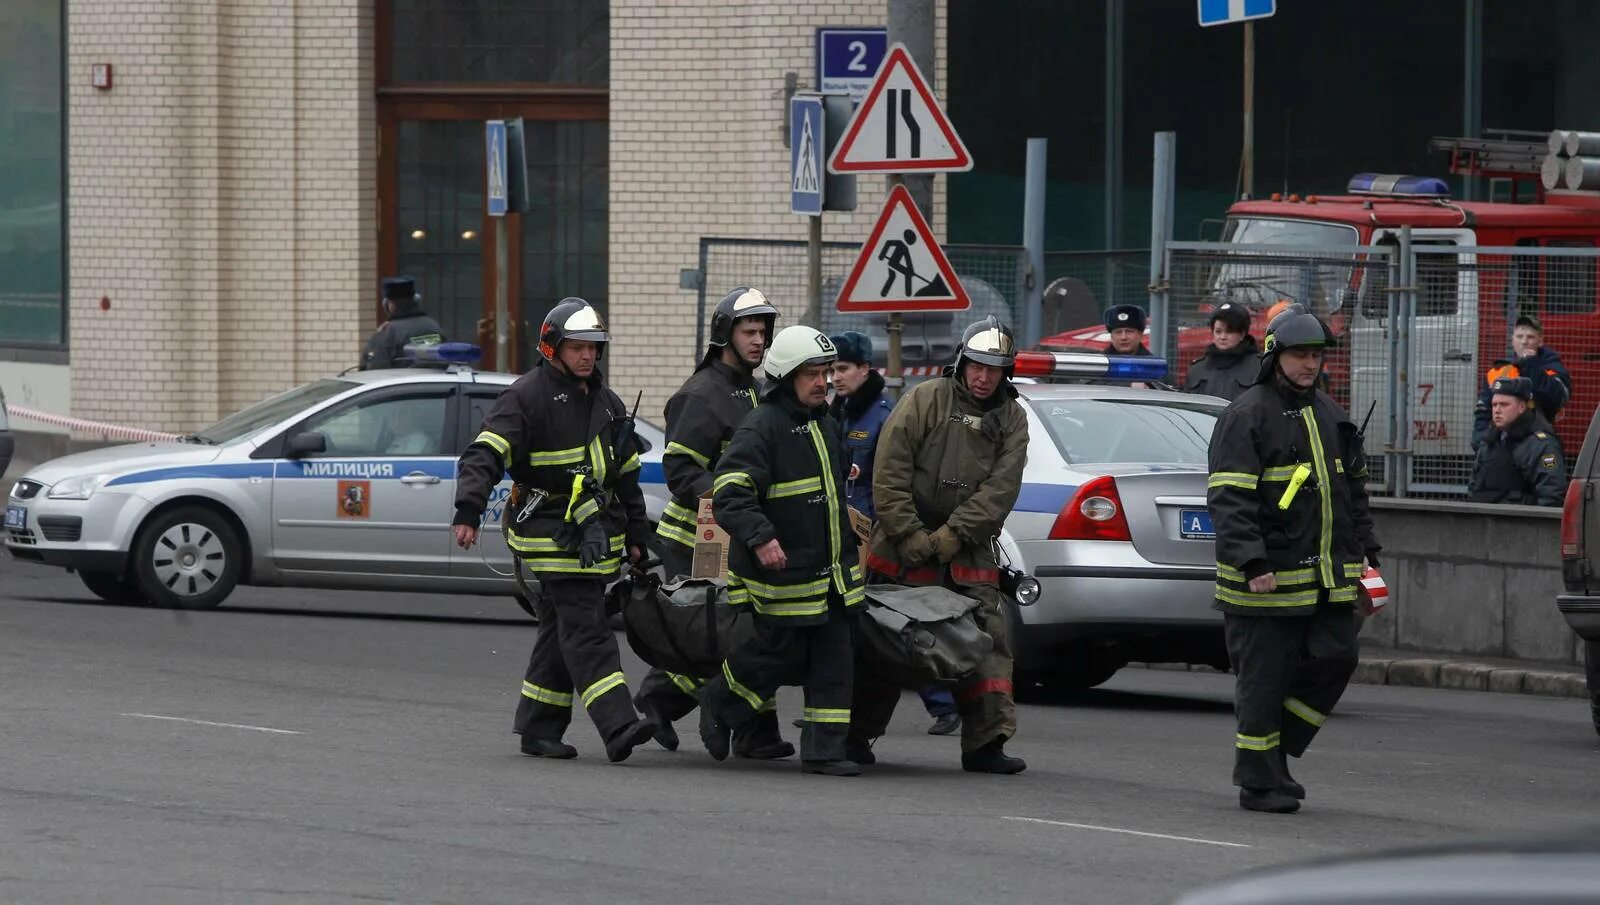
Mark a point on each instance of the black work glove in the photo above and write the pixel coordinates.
(568, 536)
(594, 545)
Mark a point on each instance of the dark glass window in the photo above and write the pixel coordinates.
(32, 241)
(564, 230)
(563, 42)
(439, 219)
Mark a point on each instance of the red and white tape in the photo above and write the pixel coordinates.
(80, 425)
(1377, 590)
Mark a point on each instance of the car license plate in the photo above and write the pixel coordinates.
(16, 517)
(1195, 523)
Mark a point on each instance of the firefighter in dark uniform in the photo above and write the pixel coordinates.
(1288, 500)
(1520, 459)
(779, 493)
(407, 324)
(701, 418)
(1125, 324)
(575, 509)
(949, 471)
(1232, 360)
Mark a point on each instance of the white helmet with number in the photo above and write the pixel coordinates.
(795, 347)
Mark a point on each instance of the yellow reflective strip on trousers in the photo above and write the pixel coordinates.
(1232, 479)
(572, 456)
(546, 695)
(796, 608)
(1267, 600)
(1256, 742)
(495, 442)
(750, 697)
(599, 688)
(686, 684)
(1300, 709)
(674, 448)
(732, 477)
(794, 488)
(827, 715)
(1325, 492)
(826, 464)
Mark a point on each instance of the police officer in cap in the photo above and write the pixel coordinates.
(1126, 325)
(1232, 360)
(1288, 502)
(701, 418)
(1519, 460)
(575, 510)
(408, 324)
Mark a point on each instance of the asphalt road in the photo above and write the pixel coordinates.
(311, 746)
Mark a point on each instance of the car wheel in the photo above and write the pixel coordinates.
(187, 559)
(527, 607)
(112, 587)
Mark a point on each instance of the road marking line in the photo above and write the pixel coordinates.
(179, 719)
(1112, 829)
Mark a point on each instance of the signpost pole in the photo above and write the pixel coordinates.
(896, 329)
(1248, 163)
(502, 302)
(814, 272)
(911, 22)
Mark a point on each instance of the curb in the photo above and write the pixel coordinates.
(1455, 675)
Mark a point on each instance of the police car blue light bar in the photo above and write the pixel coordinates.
(445, 353)
(1091, 365)
(1389, 185)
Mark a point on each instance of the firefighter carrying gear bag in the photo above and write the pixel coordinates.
(920, 636)
(685, 627)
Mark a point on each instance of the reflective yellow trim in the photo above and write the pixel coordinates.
(794, 488)
(1285, 577)
(1256, 742)
(686, 684)
(674, 448)
(782, 592)
(1354, 569)
(855, 595)
(1325, 491)
(1274, 599)
(633, 464)
(826, 464)
(615, 680)
(673, 533)
(572, 456)
(770, 705)
(737, 595)
(1342, 595)
(1300, 709)
(597, 458)
(826, 715)
(1279, 473)
(548, 545)
(750, 697)
(1232, 479)
(546, 696)
(494, 441)
(572, 498)
(1338, 465)
(792, 609)
(681, 514)
(732, 477)
(584, 511)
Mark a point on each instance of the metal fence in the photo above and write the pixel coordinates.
(1080, 285)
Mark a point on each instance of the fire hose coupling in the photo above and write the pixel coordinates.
(1301, 473)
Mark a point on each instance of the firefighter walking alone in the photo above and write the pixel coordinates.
(575, 508)
(1288, 502)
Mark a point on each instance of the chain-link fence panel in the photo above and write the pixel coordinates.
(1080, 285)
(991, 274)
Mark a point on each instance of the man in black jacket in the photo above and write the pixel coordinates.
(1232, 361)
(575, 505)
(701, 418)
(407, 324)
(1289, 505)
(1125, 324)
(1520, 460)
(791, 558)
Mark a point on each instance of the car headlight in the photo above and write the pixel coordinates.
(77, 488)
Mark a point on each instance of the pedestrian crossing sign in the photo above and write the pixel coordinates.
(901, 266)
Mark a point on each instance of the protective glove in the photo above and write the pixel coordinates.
(594, 546)
(945, 543)
(568, 536)
(918, 547)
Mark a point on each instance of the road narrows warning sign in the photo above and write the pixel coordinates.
(901, 266)
(899, 127)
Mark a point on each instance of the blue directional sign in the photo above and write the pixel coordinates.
(499, 195)
(848, 58)
(1222, 12)
(807, 145)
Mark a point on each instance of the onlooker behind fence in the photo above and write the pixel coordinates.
(1520, 460)
(1535, 362)
(1232, 361)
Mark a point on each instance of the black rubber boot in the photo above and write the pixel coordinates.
(1289, 785)
(547, 747)
(832, 767)
(1270, 801)
(618, 749)
(945, 725)
(860, 752)
(666, 736)
(714, 734)
(761, 740)
(992, 758)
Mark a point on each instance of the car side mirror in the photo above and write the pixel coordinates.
(302, 445)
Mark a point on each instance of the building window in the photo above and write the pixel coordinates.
(556, 42)
(32, 239)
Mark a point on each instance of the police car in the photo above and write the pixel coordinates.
(346, 482)
(1111, 521)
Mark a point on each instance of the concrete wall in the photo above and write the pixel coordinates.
(1471, 579)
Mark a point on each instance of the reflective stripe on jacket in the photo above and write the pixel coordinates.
(701, 418)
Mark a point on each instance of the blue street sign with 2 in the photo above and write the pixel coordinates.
(494, 140)
(806, 146)
(848, 58)
(1221, 12)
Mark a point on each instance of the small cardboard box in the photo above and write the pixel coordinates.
(710, 544)
(863, 529)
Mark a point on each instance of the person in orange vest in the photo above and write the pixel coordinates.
(1533, 360)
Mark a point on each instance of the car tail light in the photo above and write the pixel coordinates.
(1093, 513)
(1572, 521)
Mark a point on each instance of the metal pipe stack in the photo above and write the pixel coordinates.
(1573, 162)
